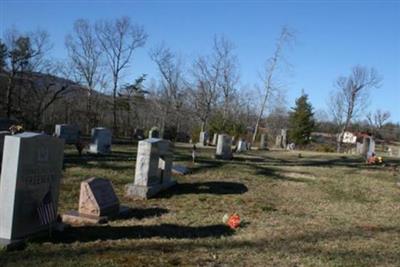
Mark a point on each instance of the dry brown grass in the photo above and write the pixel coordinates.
(318, 210)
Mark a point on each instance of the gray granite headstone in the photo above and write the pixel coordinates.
(29, 185)
(278, 141)
(359, 147)
(263, 141)
(153, 168)
(224, 147)
(70, 133)
(365, 146)
(101, 141)
(371, 148)
(242, 146)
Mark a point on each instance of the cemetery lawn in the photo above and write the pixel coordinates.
(318, 210)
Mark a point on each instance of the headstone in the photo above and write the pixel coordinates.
(284, 138)
(241, 147)
(263, 141)
(359, 148)
(153, 168)
(371, 147)
(154, 133)
(278, 141)
(215, 139)
(97, 203)
(69, 133)
(224, 147)
(367, 147)
(248, 145)
(29, 185)
(203, 140)
(101, 141)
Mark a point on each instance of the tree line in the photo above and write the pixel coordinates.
(89, 87)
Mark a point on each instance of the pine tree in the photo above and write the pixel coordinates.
(301, 121)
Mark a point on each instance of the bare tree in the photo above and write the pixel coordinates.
(229, 76)
(285, 38)
(172, 82)
(206, 71)
(26, 52)
(119, 39)
(85, 54)
(378, 119)
(351, 94)
(41, 92)
(130, 95)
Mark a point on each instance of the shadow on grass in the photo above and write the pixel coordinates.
(93, 233)
(273, 174)
(250, 158)
(310, 244)
(206, 164)
(216, 188)
(143, 213)
(316, 161)
(86, 159)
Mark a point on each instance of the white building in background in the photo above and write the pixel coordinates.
(349, 138)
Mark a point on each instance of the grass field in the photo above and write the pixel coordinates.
(317, 210)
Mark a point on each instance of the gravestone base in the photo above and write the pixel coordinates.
(180, 170)
(76, 218)
(16, 244)
(144, 192)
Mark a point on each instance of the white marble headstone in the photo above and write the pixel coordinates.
(203, 139)
(263, 141)
(224, 147)
(215, 140)
(153, 168)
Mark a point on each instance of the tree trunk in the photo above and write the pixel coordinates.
(340, 140)
(10, 86)
(89, 110)
(260, 115)
(115, 105)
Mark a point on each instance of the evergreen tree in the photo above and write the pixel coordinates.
(301, 121)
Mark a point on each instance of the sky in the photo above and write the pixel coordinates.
(331, 37)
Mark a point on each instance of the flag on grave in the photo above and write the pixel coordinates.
(47, 209)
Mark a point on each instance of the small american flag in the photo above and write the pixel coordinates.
(46, 209)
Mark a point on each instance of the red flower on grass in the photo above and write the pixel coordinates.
(234, 221)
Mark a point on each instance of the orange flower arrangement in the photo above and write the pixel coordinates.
(233, 221)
